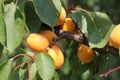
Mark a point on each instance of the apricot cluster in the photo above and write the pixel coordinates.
(39, 42)
(65, 23)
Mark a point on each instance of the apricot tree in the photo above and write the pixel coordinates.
(45, 40)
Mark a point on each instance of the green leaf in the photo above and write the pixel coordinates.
(56, 76)
(1, 5)
(14, 26)
(99, 37)
(33, 71)
(102, 65)
(45, 66)
(48, 10)
(5, 70)
(2, 24)
(32, 20)
(86, 75)
(20, 4)
(23, 73)
(2, 30)
(87, 25)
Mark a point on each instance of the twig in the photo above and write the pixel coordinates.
(110, 71)
(107, 49)
(67, 35)
(18, 55)
(28, 67)
(72, 36)
(81, 9)
(16, 2)
(28, 61)
(22, 64)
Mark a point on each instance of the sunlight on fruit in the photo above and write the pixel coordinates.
(37, 42)
(62, 17)
(85, 54)
(57, 56)
(68, 25)
(49, 34)
(115, 37)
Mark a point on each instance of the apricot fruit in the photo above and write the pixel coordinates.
(37, 42)
(68, 25)
(49, 34)
(115, 37)
(85, 54)
(61, 17)
(57, 56)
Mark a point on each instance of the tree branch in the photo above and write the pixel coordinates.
(110, 71)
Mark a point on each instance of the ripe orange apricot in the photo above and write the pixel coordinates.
(85, 54)
(115, 37)
(49, 34)
(37, 42)
(61, 17)
(57, 56)
(68, 25)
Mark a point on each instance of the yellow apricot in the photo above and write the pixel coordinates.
(37, 42)
(85, 54)
(68, 25)
(115, 37)
(61, 17)
(57, 56)
(49, 34)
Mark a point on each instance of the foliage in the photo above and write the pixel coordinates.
(19, 18)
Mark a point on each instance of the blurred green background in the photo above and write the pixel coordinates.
(111, 7)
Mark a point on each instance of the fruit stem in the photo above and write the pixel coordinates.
(110, 71)
(54, 41)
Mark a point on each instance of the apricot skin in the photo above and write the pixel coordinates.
(61, 17)
(115, 37)
(37, 42)
(57, 56)
(68, 25)
(49, 34)
(85, 54)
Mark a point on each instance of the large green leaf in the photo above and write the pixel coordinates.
(14, 26)
(102, 65)
(32, 20)
(87, 25)
(99, 38)
(2, 24)
(5, 70)
(48, 10)
(45, 66)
